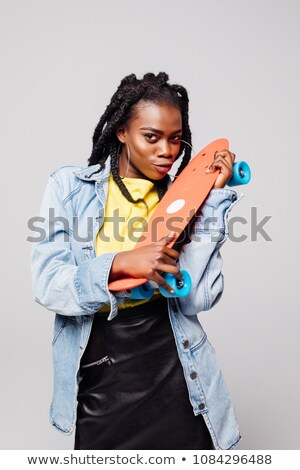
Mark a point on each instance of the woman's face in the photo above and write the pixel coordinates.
(152, 139)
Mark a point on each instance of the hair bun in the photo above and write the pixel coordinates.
(128, 80)
(160, 79)
(148, 77)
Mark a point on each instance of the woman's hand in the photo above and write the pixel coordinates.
(149, 261)
(224, 161)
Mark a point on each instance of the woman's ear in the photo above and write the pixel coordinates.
(121, 134)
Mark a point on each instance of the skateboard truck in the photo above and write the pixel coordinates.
(181, 287)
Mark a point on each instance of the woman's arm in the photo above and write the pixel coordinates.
(201, 257)
(58, 283)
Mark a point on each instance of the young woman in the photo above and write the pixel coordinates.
(133, 374)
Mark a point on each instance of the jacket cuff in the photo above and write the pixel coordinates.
(92, 283)
(212, 216)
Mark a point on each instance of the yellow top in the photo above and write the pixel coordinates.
(124, 221)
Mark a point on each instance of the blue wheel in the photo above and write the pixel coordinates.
(181, 288)
(241, 174)
(145, 291)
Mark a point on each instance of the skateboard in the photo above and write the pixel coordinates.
(178, 206)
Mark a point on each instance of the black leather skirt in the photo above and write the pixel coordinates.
(132, 392)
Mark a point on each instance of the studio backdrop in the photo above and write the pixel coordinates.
(239, 60)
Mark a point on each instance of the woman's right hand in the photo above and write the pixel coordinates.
(149, 262)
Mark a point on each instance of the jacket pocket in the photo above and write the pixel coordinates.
(61, 322)
(199, 344)
(58, 327)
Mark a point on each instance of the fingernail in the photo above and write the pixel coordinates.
(172, 291)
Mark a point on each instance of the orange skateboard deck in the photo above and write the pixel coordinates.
(178, 206)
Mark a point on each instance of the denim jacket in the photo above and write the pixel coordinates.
(71, 281)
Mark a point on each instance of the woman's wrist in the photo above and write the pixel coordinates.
(117, 267)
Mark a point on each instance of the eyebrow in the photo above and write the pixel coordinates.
(157, 131)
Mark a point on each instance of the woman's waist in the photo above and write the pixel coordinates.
(128, 303)
(156, 304)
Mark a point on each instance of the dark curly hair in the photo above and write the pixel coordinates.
(120, 110)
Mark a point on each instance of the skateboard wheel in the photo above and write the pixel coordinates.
(241, 174)
(181, 288)
(145, 291)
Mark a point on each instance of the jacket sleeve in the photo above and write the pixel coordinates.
(201, 257)
(58, 283)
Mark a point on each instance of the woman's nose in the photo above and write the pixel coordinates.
(165, 150)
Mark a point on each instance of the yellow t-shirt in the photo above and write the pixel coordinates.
(124, 221)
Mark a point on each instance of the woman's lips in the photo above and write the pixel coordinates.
(163, 168)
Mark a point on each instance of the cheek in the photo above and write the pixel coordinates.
(142, 146)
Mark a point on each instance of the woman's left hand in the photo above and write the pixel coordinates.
(224, 161)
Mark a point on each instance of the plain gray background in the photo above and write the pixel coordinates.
(61, 62)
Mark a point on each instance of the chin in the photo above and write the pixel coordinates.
(157, 178)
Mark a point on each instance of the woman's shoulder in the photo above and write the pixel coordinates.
(71, 175)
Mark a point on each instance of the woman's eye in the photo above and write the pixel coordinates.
(150, 137)
(154, 138)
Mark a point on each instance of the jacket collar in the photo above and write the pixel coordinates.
(93, 173)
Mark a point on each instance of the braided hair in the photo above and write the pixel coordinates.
(120, 110)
